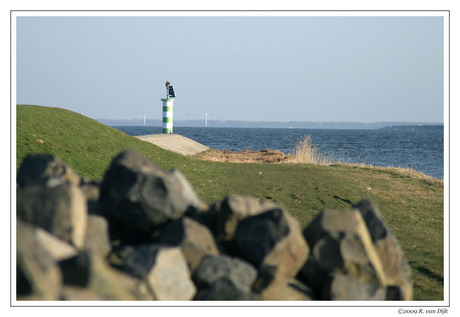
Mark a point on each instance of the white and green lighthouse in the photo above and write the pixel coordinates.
(168, 108)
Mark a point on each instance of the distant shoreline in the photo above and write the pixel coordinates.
(266, 124)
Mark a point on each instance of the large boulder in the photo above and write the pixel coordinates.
(193, 238)
(164, 269)
(261, 232)
(142, 197)
(341, 245)
(235, 208)
(394, 262)
(61, 210)
(272, 239)
(45, 170)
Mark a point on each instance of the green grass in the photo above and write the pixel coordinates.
(412, 205)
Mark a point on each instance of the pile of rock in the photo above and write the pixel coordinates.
(143, 234)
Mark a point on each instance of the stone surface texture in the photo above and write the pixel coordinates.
(142, 233)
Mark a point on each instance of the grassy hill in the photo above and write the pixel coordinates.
(413, 206)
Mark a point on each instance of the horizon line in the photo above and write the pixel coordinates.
(279, 121)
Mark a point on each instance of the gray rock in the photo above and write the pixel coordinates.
(118, 255)
(394, 262)
(257, 235)
(87, 276)
(142, 197)
(91, 190)
(341, 244)
(188, 195)
(274, 239)
(194, 239)
(56, 248)
(122, 287)
(60, 210)
(207, 218)
(164, 269)
(345, 287)
(283, 289)
(97, 235)
(76, 270)
(212, 268)
(235, 208)
(224, 289)
(45, 170)
(37, 275)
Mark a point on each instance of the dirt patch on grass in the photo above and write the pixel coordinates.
(304, 153)
(245, 156)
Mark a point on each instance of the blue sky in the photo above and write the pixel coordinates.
(269, 68)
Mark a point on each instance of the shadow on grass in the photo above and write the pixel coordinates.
(427, 272)
(347, 201)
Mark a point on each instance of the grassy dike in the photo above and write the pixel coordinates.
(413, 206)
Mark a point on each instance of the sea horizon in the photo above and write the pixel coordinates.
(266, 124)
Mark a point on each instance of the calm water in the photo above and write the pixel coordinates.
(417, 147)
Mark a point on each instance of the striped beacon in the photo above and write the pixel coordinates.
(168, 108)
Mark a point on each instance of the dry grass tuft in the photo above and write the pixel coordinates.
(306, 152)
